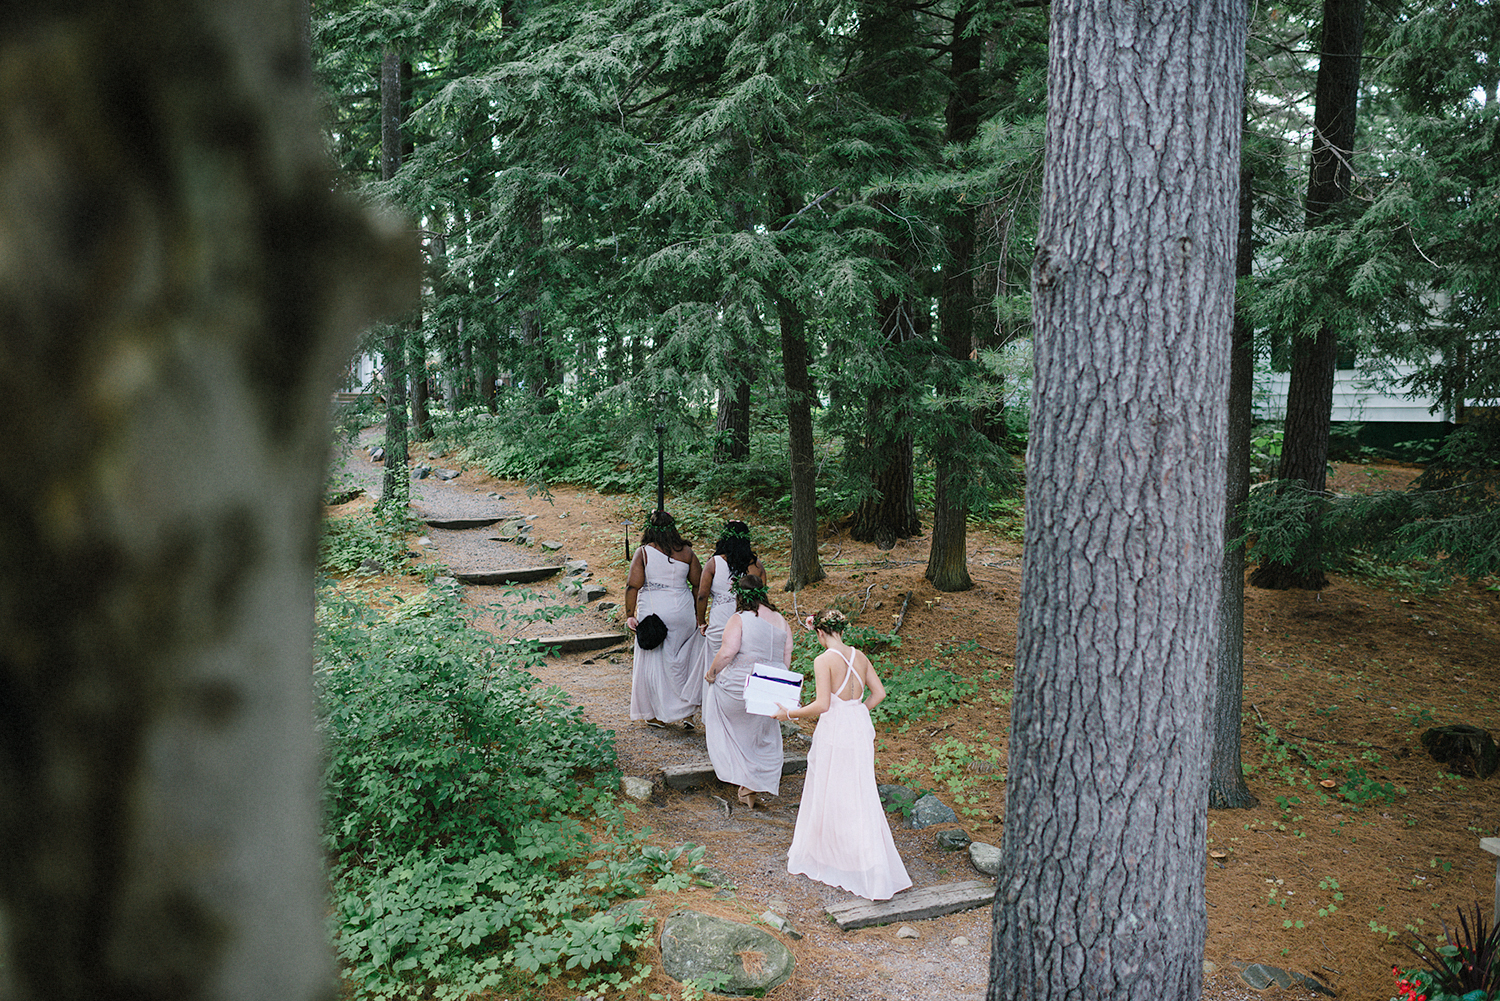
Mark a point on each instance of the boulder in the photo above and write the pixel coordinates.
(953, 839)
(930, 810)
(695, 946)
(447, 474)
(1465, 749)
(986, 858)
(896, 797)
(637, 788)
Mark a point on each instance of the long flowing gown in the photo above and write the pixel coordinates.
(842, 836)
(667, 683)
(720, 610)
(745, 748)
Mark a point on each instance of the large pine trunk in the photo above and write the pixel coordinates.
(1309, 398)
(170, 365)
(732, 422)
(1100, 892)
(890, 513)
(1226, 778)
(947, 560)
(805, 566)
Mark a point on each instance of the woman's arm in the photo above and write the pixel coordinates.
(822, 682)
(872, 682)
(695, 569)
(786, 653)
(733, 632)
(705, 591)
(633, 584)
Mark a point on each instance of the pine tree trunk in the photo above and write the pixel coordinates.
(158, 762)
(891, 513)
(805, 566)
(1226, 777)
(1101, 886)
(947, 560)
(1309, 401)
(395, 485)
(732, 423)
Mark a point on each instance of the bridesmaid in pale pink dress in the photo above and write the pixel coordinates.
(842, 836)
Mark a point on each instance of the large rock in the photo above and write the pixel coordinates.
(895, 797)
(1467, 750)
(930, 810)
(953, 839)
(695, 945)
(986, 858)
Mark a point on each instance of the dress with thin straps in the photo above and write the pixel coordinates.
(843, 837)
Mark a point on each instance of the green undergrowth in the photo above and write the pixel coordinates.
(470, 820)
(349, 542)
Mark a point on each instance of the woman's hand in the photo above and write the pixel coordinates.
(784, 713)
(703, 628)
(631, 622)
(709, 677)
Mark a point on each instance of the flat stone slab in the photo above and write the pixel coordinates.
(461, 523)
(510, 575)
(701, 773)
(911, 905)
(579, 641)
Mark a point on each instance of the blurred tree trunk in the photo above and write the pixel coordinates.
(1100, 891)
(182, 312)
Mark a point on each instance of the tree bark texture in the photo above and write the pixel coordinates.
(891, 512)
(732, 422)
(396, 483)
(805, 567)
(187, 298)
(1309, 398)
(1100, 891)
(1226, 777)
(947, 559)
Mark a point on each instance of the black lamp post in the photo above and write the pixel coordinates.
(661, 467)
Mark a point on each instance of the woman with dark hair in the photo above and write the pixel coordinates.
(732, 558)
(664, 685)
(745, 748)
(842, 837)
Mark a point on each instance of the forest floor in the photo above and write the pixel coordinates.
(1360, 840)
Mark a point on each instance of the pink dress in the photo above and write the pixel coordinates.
(842, 836)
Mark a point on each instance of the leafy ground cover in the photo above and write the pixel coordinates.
(1360, 843)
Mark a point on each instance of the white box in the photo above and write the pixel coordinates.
(767, 685)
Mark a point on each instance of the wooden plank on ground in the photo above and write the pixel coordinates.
(701, 773)
(511, 575)
(912, 905)
(579, 642)
(458, 524)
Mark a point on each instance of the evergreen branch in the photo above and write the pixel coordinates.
(804, 208)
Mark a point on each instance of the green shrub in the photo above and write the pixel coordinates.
(348, 541)
(456, 793)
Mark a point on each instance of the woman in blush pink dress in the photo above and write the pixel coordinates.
(842, 836)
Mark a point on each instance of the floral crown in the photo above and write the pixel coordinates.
(830, 620)
(750, 592)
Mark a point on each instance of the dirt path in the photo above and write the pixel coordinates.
(949, 958)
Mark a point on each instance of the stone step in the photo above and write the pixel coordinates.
(579, 642)
(510, 575)
(457, 524)
(701, 773)
(912, 905)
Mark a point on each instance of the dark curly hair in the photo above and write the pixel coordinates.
(661, 531)
(734, 546)
(750, 594)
